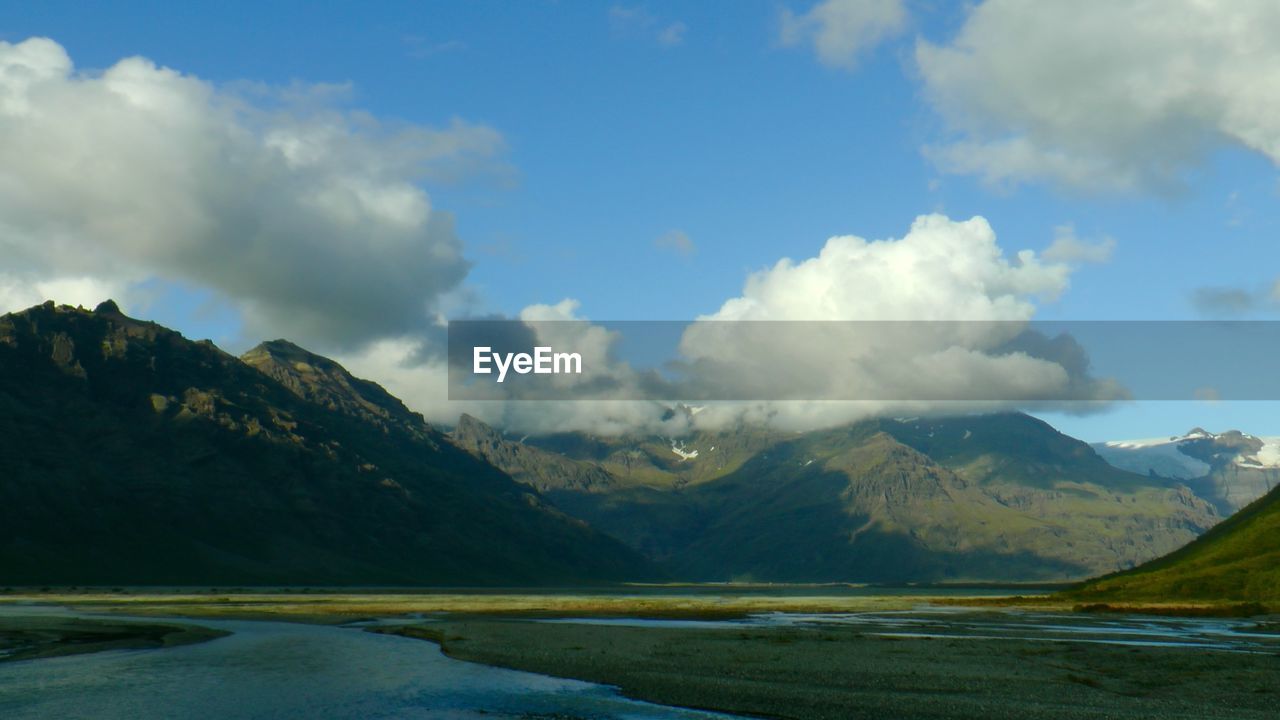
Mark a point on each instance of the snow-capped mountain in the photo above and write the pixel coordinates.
(1230, 469)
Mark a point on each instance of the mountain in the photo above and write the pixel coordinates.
(529, 464)
(324, 382)
(1239, 560)
(984, 497)
(132, 455)
(663, 462)
(1229, 469)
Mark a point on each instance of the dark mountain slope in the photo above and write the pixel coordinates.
(131, 455)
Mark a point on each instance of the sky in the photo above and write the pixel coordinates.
(349, 175)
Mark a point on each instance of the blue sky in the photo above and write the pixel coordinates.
(622, 123)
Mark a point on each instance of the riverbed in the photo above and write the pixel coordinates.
(899, 660)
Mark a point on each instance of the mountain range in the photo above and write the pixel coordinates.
(132, 455)
(982, 497)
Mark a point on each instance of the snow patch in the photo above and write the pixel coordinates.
(1160, 455)
(684, 454)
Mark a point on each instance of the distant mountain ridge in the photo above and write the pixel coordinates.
(132, 455)
(993, 497)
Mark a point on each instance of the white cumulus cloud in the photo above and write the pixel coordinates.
(940, 272)
(304, 215)
(942, 269)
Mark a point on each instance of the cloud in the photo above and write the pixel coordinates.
(421, 379)
(676, 241)
(1224, 301)
(941, 271)
(1219, 302)
(638, 19)
(673, 34)
(963, 345)
(304, 215)
(1104, 95)
(1068, 248)
(840, 31)
(18, 293)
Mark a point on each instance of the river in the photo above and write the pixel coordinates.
(286, 670)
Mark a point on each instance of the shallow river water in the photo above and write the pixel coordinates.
(285, 670)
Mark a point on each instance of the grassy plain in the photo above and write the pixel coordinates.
(338, 607)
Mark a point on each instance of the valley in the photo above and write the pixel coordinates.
(992, 497)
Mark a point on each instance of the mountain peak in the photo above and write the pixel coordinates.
(285, 350)
(471, 429)
(324, 381)
(107, 307)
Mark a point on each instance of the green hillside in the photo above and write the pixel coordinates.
(1237, 560)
